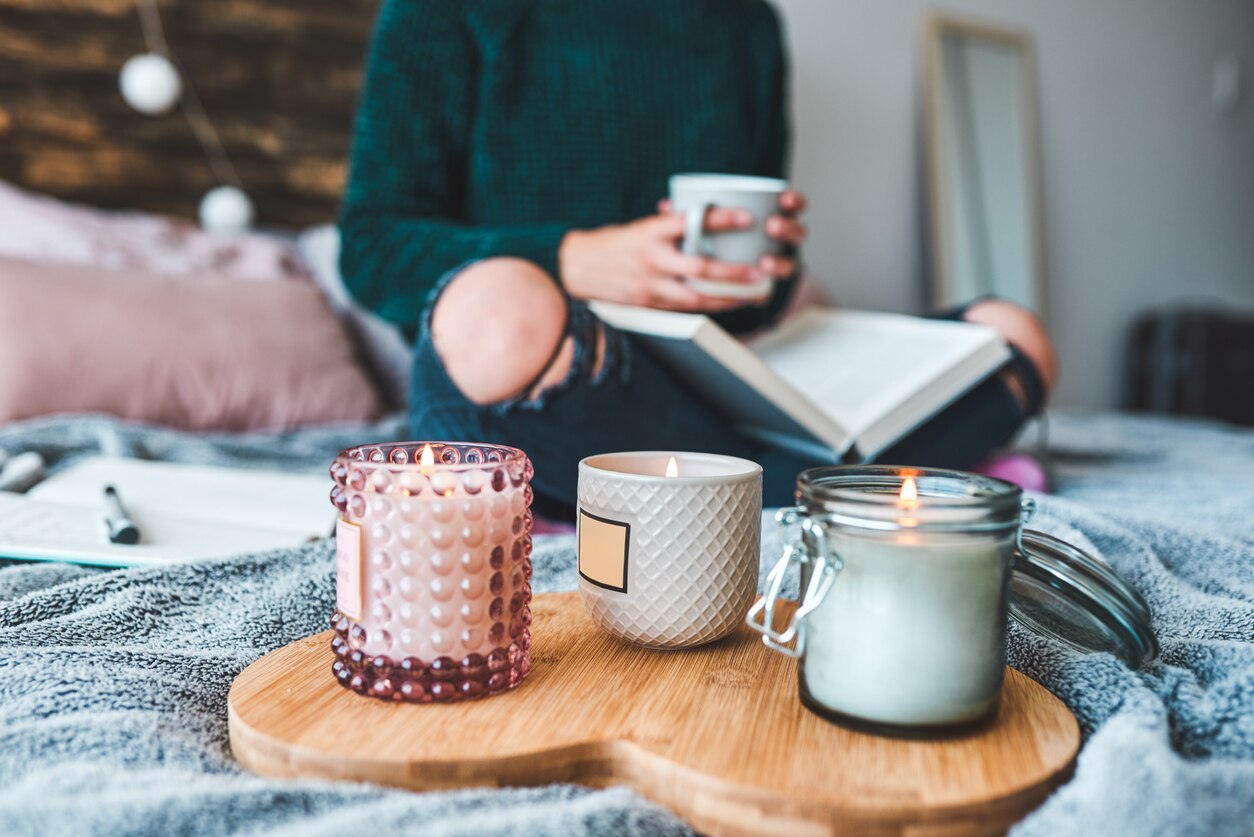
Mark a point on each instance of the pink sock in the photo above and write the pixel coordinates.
(1019, 468)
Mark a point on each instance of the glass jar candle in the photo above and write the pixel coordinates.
(433, 570)
(907, 577)
(903, 618)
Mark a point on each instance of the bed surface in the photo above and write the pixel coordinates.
(113, 684)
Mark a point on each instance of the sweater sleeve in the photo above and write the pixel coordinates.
(774, 140)
(401, 221)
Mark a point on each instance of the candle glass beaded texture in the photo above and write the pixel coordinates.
(433, 570)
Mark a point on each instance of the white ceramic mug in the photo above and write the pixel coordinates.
(694, 195)
(668, 561)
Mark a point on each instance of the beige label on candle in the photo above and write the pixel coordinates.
(348, 568)
(603, 551)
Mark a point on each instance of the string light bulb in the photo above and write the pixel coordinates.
(150, 83)
(226, 209)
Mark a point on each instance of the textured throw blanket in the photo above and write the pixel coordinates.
(113, 684)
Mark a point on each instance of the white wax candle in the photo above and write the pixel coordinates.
(912, 630)
(668, 544)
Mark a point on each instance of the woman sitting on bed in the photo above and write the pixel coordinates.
(507, 166)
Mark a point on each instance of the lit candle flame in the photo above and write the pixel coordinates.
(426, 460)
(909, 498)
(908, 501)
(672, 468)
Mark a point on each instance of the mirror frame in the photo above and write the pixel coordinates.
(937, 26)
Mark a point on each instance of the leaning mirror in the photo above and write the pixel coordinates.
(981, 149)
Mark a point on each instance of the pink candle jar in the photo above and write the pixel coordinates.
(433, 570)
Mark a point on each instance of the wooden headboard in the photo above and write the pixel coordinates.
(278, 79)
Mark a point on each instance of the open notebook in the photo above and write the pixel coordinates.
(184, 512)
(829, 384)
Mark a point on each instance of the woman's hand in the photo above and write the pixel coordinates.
(783, 227)
(790, 232)
(639, 263)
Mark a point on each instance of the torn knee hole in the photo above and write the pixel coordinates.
(567, 366)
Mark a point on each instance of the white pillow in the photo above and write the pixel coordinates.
(385, 347)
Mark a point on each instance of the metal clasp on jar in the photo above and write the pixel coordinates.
(807, 548)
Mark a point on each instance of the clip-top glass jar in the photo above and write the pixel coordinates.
(907, 576)
(433, 570)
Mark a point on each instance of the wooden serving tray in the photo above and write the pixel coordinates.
(716, 734)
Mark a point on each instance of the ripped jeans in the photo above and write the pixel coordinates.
(634, 403)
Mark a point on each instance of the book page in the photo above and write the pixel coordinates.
(171, 493)
(43, 530)
(860, 366)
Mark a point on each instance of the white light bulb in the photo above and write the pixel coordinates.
(150, 83)
(226, 209)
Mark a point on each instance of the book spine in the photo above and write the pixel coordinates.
(818, 452)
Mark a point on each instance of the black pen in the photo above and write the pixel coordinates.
(121, 528)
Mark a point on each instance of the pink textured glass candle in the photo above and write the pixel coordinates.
(433, 570)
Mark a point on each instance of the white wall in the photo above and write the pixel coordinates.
(1148, 191)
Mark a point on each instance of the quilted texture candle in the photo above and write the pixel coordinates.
(433, 570)
(668, 544)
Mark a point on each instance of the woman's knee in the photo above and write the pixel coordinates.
(1021, 328)
(496, 326)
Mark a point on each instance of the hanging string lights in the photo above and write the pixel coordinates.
(152, 84)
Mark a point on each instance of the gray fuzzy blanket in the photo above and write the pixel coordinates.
(113, 683)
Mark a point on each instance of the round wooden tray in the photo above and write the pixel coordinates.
(716, 734)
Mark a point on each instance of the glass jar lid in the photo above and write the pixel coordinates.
(1066, 594)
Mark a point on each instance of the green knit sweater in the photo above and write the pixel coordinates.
(492, 127)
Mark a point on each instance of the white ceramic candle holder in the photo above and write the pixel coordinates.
(668, 561)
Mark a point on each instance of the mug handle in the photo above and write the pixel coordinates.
(824, 573)
(694, 228)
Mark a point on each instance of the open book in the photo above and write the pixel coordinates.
(832, 385)
(184, 512)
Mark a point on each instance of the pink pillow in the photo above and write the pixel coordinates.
(43, 229)
(208, 354)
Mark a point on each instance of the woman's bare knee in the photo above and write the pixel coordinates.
(496, 326)
(1022, 328)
